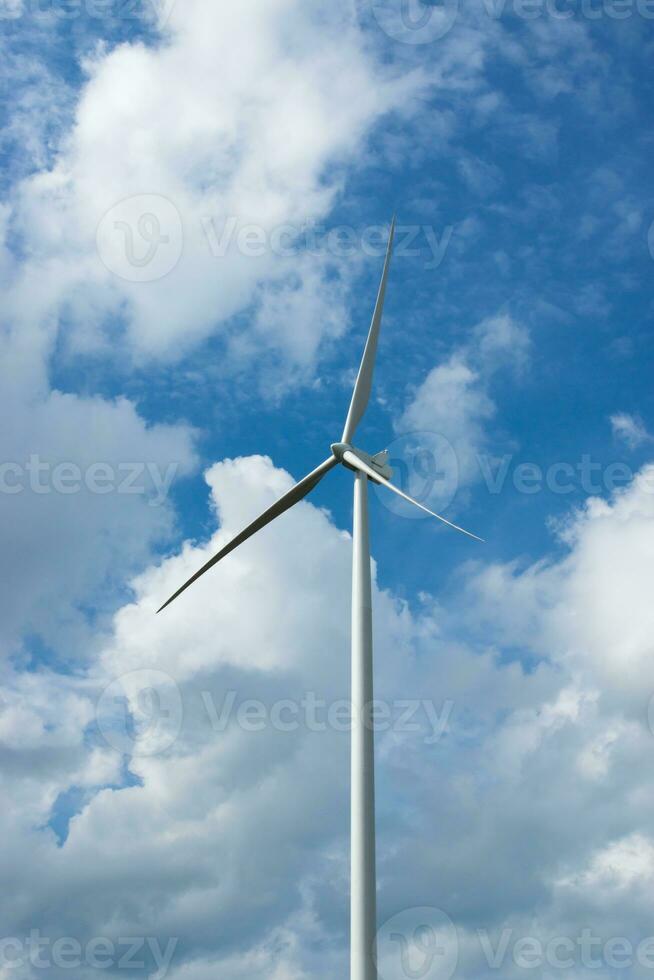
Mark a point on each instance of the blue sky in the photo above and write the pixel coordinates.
(515, 149)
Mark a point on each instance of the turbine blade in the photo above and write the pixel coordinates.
(363, 384)
(293, 496)
(353, 460)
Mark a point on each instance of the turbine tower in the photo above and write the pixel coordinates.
(363, 887)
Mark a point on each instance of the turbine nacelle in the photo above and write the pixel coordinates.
(378, 462)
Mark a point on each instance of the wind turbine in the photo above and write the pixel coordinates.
(363, 888)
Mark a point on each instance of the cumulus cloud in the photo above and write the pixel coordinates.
(195, 139)
(232, 836)
(239, 128)
(84, 496)
(455, 403)
(588, 610)
(143, 792)
(251, 129)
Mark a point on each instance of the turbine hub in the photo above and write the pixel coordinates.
(378, 462)
(338, 448)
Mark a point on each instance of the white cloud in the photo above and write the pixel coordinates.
(236, 840)
(630, 429)
(244, 128)
(255, 124)
(258, 820)
(616, 866)
(454, 400)
(590, 610)
(451, 402)
(84, 497)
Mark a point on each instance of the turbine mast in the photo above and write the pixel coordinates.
(363, 878)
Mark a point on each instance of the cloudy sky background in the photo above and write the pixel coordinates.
(157, 394)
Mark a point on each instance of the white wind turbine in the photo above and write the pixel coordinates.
(363, 897)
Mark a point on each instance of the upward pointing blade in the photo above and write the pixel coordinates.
(354, 460)
(293, 496)
(363, 384)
